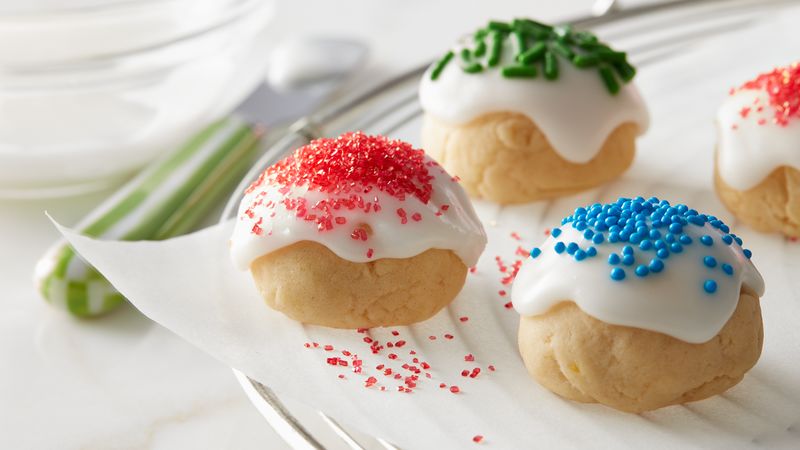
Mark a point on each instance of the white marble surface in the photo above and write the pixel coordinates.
(122, 382)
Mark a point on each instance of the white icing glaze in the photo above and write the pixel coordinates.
(749, 152)
(672, 302)
(575, 112)
(457, 229)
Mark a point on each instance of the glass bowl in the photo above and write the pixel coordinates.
(92, 90)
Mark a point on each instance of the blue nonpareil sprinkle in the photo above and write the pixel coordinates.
(642, 270)
(628, 259)
(535, 252)
(655, 234)
(727, 268)
(675, 247)
(710, 286)
(555, 232)
(598, 238)
(685, 239)
(560, 247)
(572, 247)
(659, 244)
(588, 234)
(656, 265)
(710, 261)
(613, 237)
(646, 244)
(591, 252)
(662, 253)
(617, 274)
(614, 259)
(675, 228)
(580, 255)
(707, 240)
(737, 239)
(747, 253)
(627, 250)
(727, 239)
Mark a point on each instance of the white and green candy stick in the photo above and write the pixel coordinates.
(167, 199)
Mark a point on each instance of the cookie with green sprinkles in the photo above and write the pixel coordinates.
(522, 111)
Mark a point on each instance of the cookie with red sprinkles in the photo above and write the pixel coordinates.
(349, 219)
(758, 165)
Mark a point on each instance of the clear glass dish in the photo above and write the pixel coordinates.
(92, 90)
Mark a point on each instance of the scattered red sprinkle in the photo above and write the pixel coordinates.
(509, 305)
(491, 367)
(370, 252)
(464, 373)
(307, 345)
(370, 381)
(433, 338)
(469, 357)
(341, 377)
(744, 112)
(416, 217)
(400, 343)
(473, 269)
(395, 333)
(477, 438)
(782, 85)
(448, 336)
(328, 348)
(392, 356)
(463, 318)
(475, 372)
(454, 389)
(515, 236)
(502, 292)
(367, 339)
(442, 385)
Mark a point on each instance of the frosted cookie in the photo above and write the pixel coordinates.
(527, 111)
(356, 232)
(638, 305)
(757, 172)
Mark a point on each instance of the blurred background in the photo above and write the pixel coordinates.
(92, 92)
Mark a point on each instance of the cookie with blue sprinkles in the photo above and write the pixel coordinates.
(666, 310)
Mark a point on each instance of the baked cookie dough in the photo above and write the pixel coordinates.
(757, 173)
(309, 283)
(525, 111)
(505, 157)
(355, 232)
(639, 304)
(635, 370)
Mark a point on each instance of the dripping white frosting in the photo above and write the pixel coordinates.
(672, 302)
(447, 222)
(575, 112)
(748, 151)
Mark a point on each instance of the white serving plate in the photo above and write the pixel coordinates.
(686, 69)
